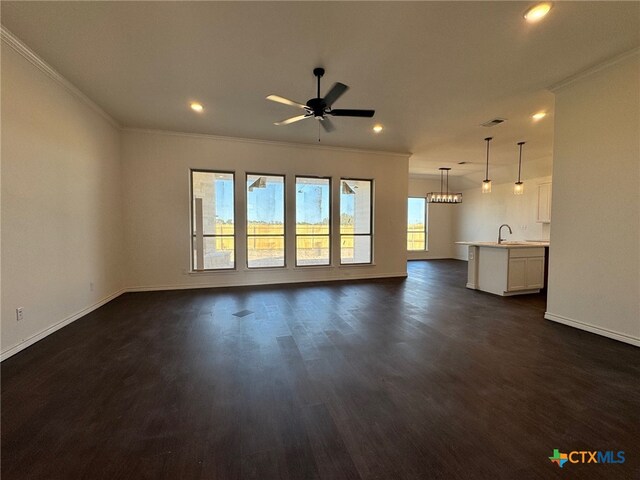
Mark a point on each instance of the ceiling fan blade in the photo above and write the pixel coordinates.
(327, 125)
(345, 112)
(287, 121)
(336, 92)
(286, 101)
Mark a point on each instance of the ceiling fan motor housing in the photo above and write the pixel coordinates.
(318, 106)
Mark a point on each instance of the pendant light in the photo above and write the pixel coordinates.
(518, 188)
(486, 183)
(444, 196)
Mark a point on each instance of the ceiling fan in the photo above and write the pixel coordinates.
(319, 108)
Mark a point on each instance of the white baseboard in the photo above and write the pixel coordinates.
(593, 329)
(57, 326)
(189, 286)
(437, 257)
(520, 292)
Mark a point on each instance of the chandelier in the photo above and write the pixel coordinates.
(443, 196)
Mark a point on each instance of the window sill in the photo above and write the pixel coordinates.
(263, 269)
(212, 272)
(225, 271)
(312, 267)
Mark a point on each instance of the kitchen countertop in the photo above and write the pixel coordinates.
(515, 244)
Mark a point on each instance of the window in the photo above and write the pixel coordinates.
(313, 221)
(416, 224)
(355, 221)
(213, 228)
(265, 221)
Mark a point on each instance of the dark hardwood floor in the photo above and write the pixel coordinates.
(389, 379)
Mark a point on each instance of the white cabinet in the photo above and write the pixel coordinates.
(506, 270)
(517, 276)
(534, 273)
(544, 203)
(525, 273)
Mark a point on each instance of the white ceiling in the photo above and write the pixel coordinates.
(433, 71)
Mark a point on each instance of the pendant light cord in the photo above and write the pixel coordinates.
(520, 144)
(486, 175)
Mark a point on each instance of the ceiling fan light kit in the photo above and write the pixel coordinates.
(321, 108)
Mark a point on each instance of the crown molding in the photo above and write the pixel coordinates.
(593, 69)
(265, 142)
(32, 57)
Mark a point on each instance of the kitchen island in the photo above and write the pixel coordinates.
(506, 268)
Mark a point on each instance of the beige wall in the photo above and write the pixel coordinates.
(68, 170)
(89, 210)
(439, 222)
(61, 205)
(156, 181)
(480, 215)
(594, 272)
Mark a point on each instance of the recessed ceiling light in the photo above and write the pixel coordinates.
(377, 128)
(537, 12)
(196, 107)
(538, 116)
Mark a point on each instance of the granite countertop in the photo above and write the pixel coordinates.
(506, 244)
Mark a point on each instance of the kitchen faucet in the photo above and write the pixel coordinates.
(500, 239)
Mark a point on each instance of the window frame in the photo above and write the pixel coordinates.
(284, 210)
(370, 234)
(192, 235)
(330, 234)
(426, 217)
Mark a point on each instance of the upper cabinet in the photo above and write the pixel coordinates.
(544, 203)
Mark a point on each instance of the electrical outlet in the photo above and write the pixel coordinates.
(91, 286)
(19, 314)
